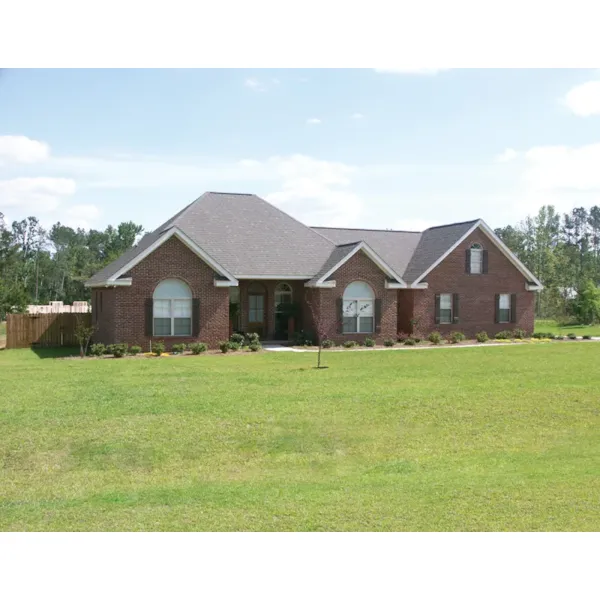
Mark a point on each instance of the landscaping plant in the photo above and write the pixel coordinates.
(328, 344)
(456, 337)
(234, 346)
(134, 350)
(158, 348)
(369, 342)
(482, 337)
(255, 347)
(97, 349)
(435, 337)
(178, 348)
(198, 347)
(83, 335)
(118, 350)
(389, 342)
(224, 347)
(239, 338)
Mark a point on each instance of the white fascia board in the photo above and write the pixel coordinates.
(419, 286)
(532, 287)
(390, 285)
(185, 240)
(278, 277)
(226, 283)
(126, 282)
(324, 284)
(373, 256)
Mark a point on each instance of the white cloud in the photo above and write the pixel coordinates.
(254, 84)
(80, 215)
(358, 115)
(412, 70)
(248, 162)
(584, 100)
(313, 121)
(35, 195)
(506, 156)
(19, 148)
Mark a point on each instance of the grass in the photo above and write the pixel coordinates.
(551, 326)
(2, 334)
(485, 438)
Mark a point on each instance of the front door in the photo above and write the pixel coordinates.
(256, 313)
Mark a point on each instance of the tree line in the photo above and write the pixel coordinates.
(38, 265)
(563, 252)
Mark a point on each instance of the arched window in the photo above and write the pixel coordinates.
(172, 308)
(283, 295)
(358, 305)
(476, 259)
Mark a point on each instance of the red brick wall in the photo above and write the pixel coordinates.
(359, 268)
(125, 321)
(477, 292)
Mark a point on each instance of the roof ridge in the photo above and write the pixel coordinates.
(365, 229)
(453, 224)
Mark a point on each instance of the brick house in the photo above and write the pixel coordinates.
(235, 262)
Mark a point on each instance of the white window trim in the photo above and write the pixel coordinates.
(478, 248)
(509, 309)
(451, 309)
(358, 317)
(171, 300)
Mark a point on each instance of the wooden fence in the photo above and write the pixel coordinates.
(23, 331)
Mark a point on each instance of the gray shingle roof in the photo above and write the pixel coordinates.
(249, 237)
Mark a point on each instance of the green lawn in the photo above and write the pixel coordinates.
(2, 334)
(550, 326)
(490, 438)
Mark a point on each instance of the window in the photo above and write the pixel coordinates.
(358, 308)
(172, 310)
(476, 255)
(446, 308)
(283, 295)
(256, 303)
(504, 308)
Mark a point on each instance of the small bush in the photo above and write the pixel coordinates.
(179, 348)
(255, 347)
(456, 337)
(234, 346)
(369, 342)
(135, 350)
(402, 337)
(158, 348)
(388, 343)
(252, 338)
(550, 336)
(559, 337)
(435, 337)
(417, 339)
(303, 338)
(238, 338)
(519, 334)
(587, 337)
(349, 344)
(118, 350)
(482, 337)
(327, 344)
(572, 336)
(410, 342)
(503, 335)
(224, 347)
(198, 348)
(537, 335)
(97, 349)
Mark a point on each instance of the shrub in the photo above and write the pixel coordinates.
(572, 336)
(417, 339)
(402, 337)
(234, 346)
(503, 335)
(349, 344)
(482, 337)
(303, 338)
(239, 338)
(327, 344)
(198, 347)
(158, 348)
(435, 337)
(550, 336)
(389, 342)
(178, 348)
(118, 350)
(519, 334)
(456, 337)
(134, 350)
(255, 347)
(587, 337)
(97, 349)
(252, 338)
(559, 337)
(410, 342)
(369, 342)
(224, 347)
(538, 335)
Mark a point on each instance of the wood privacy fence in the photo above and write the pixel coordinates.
(58, 329)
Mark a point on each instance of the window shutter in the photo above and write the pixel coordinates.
(148, 309)
(437, 309)
(195, 317)
(455, 310)
(468, 260)
(513, 308)
(378, 315)
(484, 265)
(340, 314)
(497, 308)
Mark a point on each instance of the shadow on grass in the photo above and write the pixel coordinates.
(55, 352)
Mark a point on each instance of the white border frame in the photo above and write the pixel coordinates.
(485, 228)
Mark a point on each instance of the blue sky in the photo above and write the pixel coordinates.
(345, 147)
